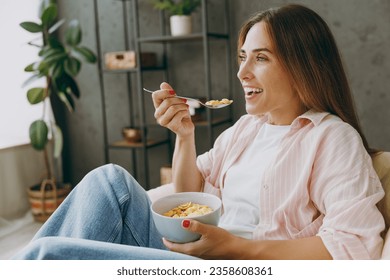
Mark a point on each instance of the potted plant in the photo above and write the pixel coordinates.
(59, 62)
(180, 14)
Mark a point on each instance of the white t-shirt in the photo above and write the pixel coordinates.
(241, 191)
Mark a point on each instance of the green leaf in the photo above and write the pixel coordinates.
(55, 43)
(85, 53)
(72, 87)
(189, 6)
(68, 101)
(57, 70)
(58, 141)
(43, 50)
(183, 7)
(43, 5)
(49, 15)
(67, 84)
(35, 95)
(30, 67)
(73, 33)
(55, 58)
(43, 68)
(31, 26)
(56, 25)
(72, 66)
(49, 51)
(38, 134)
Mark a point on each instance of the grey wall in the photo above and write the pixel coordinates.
(361, 28)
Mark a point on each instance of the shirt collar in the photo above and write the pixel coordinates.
(310, 116)
(307, 117)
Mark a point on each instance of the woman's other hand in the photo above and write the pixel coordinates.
(172, 113)
(215, 242)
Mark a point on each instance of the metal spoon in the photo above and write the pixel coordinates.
(215, 106)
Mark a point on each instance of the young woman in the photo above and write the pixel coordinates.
(294, 174)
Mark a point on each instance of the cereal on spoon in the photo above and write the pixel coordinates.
(216, 103)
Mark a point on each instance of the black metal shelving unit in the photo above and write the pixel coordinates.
(136, 74)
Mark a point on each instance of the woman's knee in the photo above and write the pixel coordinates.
(108, 174)
(110, 171)
(39, 249)
(112, 177)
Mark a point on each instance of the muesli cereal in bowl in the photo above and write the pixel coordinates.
(188, 209)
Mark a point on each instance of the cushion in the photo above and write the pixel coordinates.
(161, 191)
(386, 247)
(381, 164)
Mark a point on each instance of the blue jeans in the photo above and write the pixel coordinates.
(106, 216)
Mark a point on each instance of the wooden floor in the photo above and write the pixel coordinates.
(15, 235)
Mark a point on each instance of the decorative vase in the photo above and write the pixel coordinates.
(180, 25)
(46, 197)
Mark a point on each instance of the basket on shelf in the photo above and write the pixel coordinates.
(46, 197)
(165, 175)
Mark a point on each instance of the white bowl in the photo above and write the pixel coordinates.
(171, 228)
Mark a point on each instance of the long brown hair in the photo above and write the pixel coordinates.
(306, 47)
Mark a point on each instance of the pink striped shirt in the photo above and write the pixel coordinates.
(321, 182)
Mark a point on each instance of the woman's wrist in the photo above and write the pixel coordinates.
(185, 137)
(245, 249)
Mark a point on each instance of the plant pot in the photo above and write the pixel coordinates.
(131, 134)
(46, 197)
(180, 25)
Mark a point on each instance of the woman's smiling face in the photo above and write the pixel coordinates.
(267, 86)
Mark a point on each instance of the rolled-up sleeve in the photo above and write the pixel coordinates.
(346, 190)
(352, 221)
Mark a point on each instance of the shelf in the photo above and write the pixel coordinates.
(123, 144)
(138, 107)
(214, 122)
(202, 122)
(119, 71)
(133, 70)
(191, 37)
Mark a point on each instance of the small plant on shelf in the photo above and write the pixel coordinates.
(180, 14)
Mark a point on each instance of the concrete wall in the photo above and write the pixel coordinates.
(361, 28)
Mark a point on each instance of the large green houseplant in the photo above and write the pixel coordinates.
(180, 14)
(59, 63)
